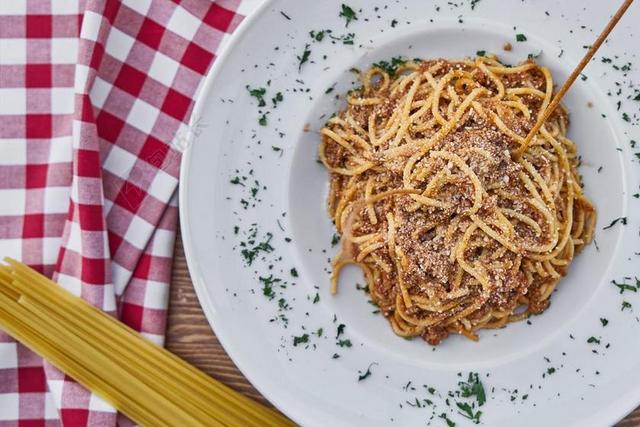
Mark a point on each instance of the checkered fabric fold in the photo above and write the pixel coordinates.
(95, 97)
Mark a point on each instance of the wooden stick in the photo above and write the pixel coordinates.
(572, 78)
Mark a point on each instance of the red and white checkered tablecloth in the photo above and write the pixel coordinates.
(94, 101)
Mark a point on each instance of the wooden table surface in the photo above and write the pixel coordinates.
(190, 337)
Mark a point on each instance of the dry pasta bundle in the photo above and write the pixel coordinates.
(145, 382)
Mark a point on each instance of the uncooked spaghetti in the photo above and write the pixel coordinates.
(453, 233)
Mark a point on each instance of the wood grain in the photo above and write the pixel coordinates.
(190, 337)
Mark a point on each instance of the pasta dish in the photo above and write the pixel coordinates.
(453, 231)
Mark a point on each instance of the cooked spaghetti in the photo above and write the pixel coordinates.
(453, 232)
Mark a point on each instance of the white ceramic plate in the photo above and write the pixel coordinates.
(260, 186)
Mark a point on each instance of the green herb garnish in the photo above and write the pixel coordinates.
(317, 35)
(623, 221)
(258, 93)
(593, 340)
(236, 181)
(282, 304)
(267, 285)
(624, 287)
(534, 55)
(449, 422)
(467, 412)
(348, 38)
(348, 14)
(278, 98)
(251, 254)
(364, 288)
(473, 387)
(367, 373)
(390, 67)
(304, 58)
(304, 338)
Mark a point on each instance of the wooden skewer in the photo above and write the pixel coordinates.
(572, 78)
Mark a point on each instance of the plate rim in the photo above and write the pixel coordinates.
(192, 266)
